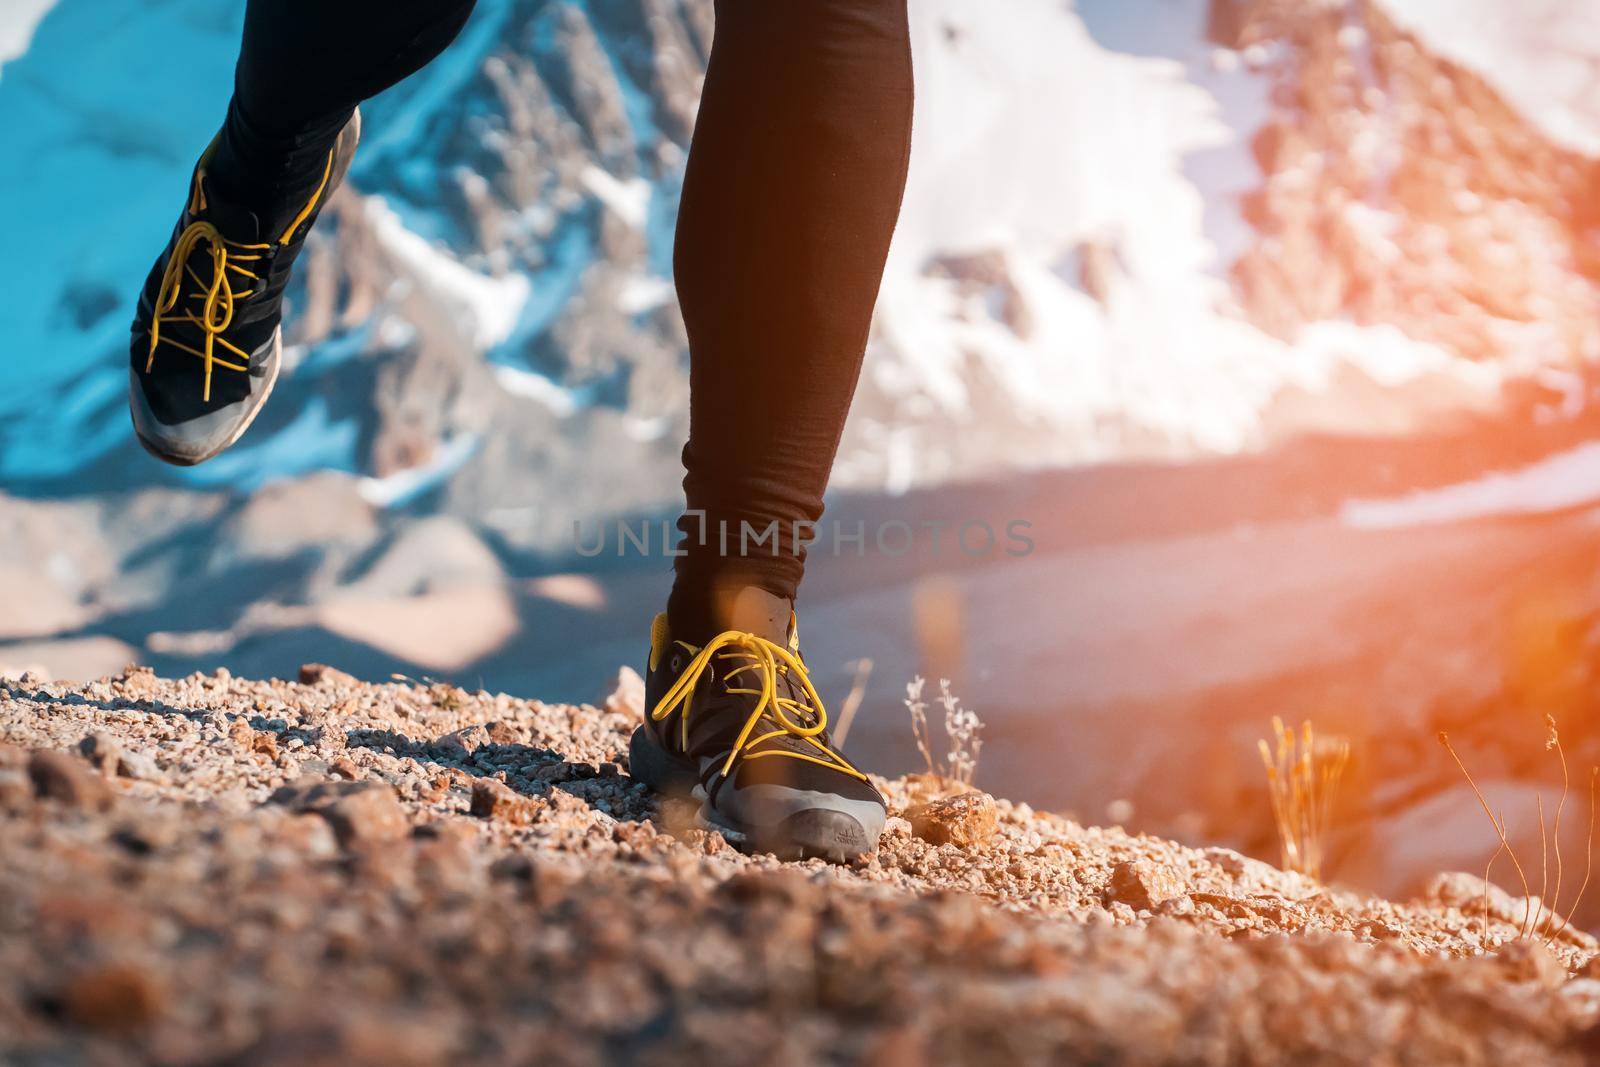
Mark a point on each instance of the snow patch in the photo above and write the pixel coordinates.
(1565, 480)
(643, 292)
(534, 386)
(401, 487)
(17, 22)
(1066, 263)
(489, 307)
(629, 199)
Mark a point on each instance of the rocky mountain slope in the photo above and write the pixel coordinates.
(212, 870)
(1401, 187)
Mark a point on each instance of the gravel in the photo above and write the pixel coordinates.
(335, 872)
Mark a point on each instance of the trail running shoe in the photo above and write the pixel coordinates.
(737, 725)
(207, 344)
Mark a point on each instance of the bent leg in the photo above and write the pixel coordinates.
(304, 65)
(792, 190)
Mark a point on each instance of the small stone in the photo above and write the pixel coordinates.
(359, 812)
(117, 998)
(1373, 930)
(963, 820)
(1458, 889)
(57, 776)
(503, 733)
(1143, 885)
(139, 682)
(709, 842)
(636, 834)
(102, 751)
(265, 743)
(1179, 905)
(138, 766)
(320, 674)
(493, 799)
(16, 792)
(461, 744)
(627, 694)
(1530, 961)
(452, 863)
(309, 833)
(448, 697)
(369, 814)
(344, 768)
(1248, 874)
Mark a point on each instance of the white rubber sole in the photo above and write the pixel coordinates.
(273, 370)
(814, 833)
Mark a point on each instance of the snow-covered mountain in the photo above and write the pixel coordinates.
(1133, 228)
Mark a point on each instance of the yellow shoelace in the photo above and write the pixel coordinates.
(216, 298)
(768, 660)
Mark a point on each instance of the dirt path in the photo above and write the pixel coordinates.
(216, 870)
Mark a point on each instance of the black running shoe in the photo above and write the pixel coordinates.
(737, 725)
(207, 345)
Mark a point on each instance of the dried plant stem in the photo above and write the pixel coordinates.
(1302, 780)
(1280, 817)
(1499, 829)
(1329, 773)
(1588, 859)
(1486, 868)
(1555, 742)
(962, 728)
(1544, 868)
(919, 720)
(852, 702)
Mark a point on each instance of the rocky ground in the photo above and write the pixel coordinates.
(214, 870)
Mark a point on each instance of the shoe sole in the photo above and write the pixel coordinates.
(815, 833)
(352, 130)
(812, 834)
(275, 367)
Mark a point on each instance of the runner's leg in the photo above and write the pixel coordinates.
(793, 187)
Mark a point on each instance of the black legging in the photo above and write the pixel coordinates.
(793, 186)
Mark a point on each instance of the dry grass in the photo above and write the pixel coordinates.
(1536, 921)
(1303, 773)
(961, 726)
(852, 701)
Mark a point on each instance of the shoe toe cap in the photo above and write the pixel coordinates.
(816, 823)
(201, 436)
(184, 443)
